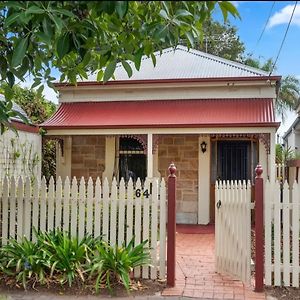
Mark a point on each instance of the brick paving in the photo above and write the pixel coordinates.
(195, 272)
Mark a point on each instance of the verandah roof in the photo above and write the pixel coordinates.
(164, 114)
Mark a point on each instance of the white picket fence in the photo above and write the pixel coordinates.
(282, 234)
(118, 213)
(233, 229)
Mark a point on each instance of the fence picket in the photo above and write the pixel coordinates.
(113, 212)
(43, 204)
(12, 208)
(268, 199)
(277, 235)
(105, 225)
(137, 223)
(286, 235)
(145, 232)
(51, 195)
(66, 208)
(90, 207)
(74, 208)
(5, 197)
(162, 230)
(58, 207)
(81, 208)
(97, 223)
(27, 209)
(153, 245)
(295, 234)
(129, 219)
(121, 216)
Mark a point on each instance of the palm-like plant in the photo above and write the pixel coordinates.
(288, 95)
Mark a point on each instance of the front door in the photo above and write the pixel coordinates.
(231, 160)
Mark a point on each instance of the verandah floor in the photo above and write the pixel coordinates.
(195, 270)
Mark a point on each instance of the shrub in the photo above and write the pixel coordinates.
(66, 255)
(24, 260)
(115, 264)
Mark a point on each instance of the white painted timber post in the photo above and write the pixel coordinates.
(203, 180)
(149, 155)
(272, 157)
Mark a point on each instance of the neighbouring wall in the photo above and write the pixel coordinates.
(183, 151)
(88, 156)
(20, 155)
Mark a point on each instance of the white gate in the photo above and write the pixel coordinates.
(233, 229)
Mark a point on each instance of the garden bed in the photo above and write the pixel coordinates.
(144, 287)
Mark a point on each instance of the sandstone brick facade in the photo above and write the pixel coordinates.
(183, 151)
(88, 156)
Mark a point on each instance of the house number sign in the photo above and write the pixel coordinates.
(146, 193)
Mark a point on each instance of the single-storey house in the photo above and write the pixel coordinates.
(21, 151)
(212, 117)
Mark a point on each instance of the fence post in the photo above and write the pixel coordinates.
(259, 230)
(171, 259)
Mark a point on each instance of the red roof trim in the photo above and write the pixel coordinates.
(25, 127)
(177, 80)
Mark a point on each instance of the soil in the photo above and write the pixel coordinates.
(286, 293)
(144, 287)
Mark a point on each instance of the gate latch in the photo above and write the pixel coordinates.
(219, 203)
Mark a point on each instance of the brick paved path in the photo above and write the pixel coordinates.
(195, 272)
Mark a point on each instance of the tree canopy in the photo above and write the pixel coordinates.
(78, 37)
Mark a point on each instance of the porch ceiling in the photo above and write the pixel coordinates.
(164, 114)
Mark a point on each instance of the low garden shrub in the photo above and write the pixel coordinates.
(57, 257)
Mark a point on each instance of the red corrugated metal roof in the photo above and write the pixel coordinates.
(164, 113)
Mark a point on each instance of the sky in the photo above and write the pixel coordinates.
(254, 16)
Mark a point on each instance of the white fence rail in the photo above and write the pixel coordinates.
(282, 234)
(118, 213)
(233, 229)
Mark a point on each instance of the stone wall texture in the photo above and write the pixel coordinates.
(183, 151)
(88, 156)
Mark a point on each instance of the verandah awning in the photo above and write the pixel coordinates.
(164, 114)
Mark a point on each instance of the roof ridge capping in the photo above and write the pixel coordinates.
(222, 60)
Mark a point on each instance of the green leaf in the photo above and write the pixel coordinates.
(100, 75)
(121, 8)
(11, 19)
(63, 45)
(109, 71)
(34, 10)
(153, 57)
(183, 13)
(10, 78)
(57, 21)
(19, 52)
(64, 12)
(190, 38)
(138, 58)
(164, 14)
(127, 68)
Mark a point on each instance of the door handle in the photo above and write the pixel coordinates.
(219, 203)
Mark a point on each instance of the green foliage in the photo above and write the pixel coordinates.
(111, 264)
(282, 155)
(221, 40)
(57, 257)
(23, 260)
(78, 37)
(66, 255)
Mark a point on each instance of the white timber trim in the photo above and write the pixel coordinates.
(271, 160)
(203, 181)
(149, 155)
(214, 130)
(64, 162)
